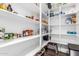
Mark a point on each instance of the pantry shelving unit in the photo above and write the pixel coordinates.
(30, 45)
(19, 16)
(44, 17)
(43, 43)
(30, 40)
(45, 34)
(60, 24)
(18, 40)
(59, 27)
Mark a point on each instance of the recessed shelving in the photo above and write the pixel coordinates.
(18, 17)
(66, 25)
(13, 15)
(45, 24)
(64, 34)
(59, 26)
(18, 40)
(71, 13)
(28, 22)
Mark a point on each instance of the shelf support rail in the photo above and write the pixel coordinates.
(40, 26)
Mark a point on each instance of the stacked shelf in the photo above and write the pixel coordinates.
(59, 26)
(4, 14)
(18, 40)
(45, 34)
(13, 15)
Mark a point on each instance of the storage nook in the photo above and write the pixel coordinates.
(39, 29)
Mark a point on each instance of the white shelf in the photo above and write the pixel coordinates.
(44, 24)
(45, 43)
(4, 14)
(68, 5)
(70, 13)
(17, 17)
(33, 52)
(54, 25)
(66, 25)
(18, 40)
(58, 42)
(64, 15)
(45, 34)
(63, 34)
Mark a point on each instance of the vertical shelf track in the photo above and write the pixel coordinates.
(40, 26)
(49, 25)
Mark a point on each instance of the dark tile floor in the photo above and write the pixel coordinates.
(53, 53)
